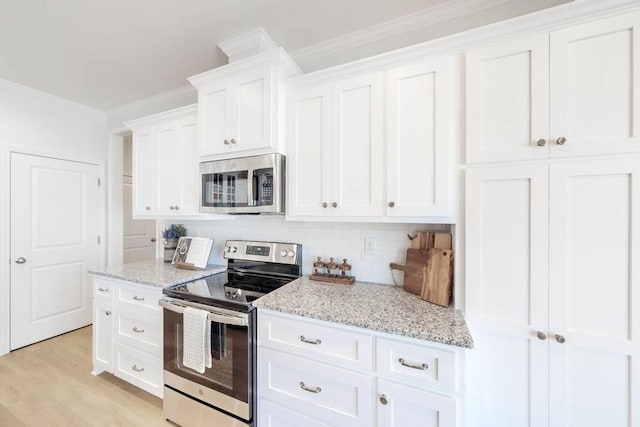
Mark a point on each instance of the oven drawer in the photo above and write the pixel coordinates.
(419, 365)
(331, 395)
(316, 340)
(137, 297)
(140, 330)
(138, 368)
(103, 290)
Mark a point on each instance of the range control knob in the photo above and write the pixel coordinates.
(291, 254)
(283, 253)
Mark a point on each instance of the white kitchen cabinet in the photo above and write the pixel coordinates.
(127, 332)
(572, 92)
(551, 280)
(165, 164)
(336, 149)
(419, 139)
(240, 106)
(326, 372)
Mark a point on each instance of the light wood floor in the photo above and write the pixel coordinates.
(50, 384)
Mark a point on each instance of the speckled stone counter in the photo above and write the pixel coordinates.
(156, 273)
(372, 306)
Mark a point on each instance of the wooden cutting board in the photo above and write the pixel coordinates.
(428, 239)
(438, 277)
(414, 270)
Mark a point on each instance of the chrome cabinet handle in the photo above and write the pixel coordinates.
(560, 339)
(324, 205)
(137, 298)
(561, 140)
(383, 399)
(334, 204)
(148, 208)
(541, 142)
(392, 204)
(21, 260)
(421, 366)
(103, 289)
(310, 389)
(541, 335)
(107, 313)
(226, 142)
(135, 368)
(233, 141)
(136, 330)
(310, 341)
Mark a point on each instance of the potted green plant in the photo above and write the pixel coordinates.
(171, 235)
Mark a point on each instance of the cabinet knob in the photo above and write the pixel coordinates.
(560, 339)
(541, 335)
(177, 208)
(153, 240)
(324, 205)
(541, 142)
(233, 141)
(392, 204)
(334, 204)
(561, 140)
(171, 207)
(148, 208)
(107, 313)
(383, 399)
(21, 260)
(226, 142)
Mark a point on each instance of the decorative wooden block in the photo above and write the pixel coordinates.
(333, 278)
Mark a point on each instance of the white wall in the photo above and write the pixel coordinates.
(338, 240)
(38, 123)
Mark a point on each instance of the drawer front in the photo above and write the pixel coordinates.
(272, 415)
(138, 368)
(316, 341)
(140, 330)
(416, 364)
(136, 297)
(399, 405)
(103, 290)
(331, 395)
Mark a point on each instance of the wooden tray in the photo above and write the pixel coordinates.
(333, 278)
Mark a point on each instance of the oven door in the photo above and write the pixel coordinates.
(228, 384)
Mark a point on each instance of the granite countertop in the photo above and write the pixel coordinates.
(156, 273)
(381, 308)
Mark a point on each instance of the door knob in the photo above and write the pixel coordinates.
(560, 339)
(21, 260)
(541, 142)
(561, 140)
(541, 335)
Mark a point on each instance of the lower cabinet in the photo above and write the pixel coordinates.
(127, 333)
(317, 373)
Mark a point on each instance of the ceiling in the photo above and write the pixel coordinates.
(106, 54)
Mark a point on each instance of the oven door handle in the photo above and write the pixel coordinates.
(178, 307)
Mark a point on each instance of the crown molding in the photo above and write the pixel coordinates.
(405, 24)
(185, 95)
(35, 92)
(245, 45)
(165, 115)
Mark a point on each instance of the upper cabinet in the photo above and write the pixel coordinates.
(544, 96)
(358, 150)
(165, 164)
(240, 106)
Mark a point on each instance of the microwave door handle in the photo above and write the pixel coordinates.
(250, 188)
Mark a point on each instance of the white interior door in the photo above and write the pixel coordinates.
(54, 241)
(593, 293)
(139, 234)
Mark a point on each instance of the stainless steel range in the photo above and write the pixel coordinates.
(224, 395)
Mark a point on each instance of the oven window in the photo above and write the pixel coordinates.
(229, 189)
(231, 353)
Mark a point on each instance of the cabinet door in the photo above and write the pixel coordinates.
(594, 299)
(400, 406)
(506, 253)
(102, 337)
(418, 139)
(271, 415)
(215, 118)
(252, 123)
(309, 165)
(508, 101)
(167, 167)
(143, 158)
(595, 75)
(356, 150)
(187, 200)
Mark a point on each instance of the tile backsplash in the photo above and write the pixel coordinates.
(325, 239)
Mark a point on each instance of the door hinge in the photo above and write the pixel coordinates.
(98, 239)
(99, 182)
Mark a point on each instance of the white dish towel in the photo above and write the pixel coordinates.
(196, 340)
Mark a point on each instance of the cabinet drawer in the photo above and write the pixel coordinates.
(138, 368)
(416, 364)
(140, 330)
(335, 396)
(139, 296)
(103, 290)
(316, 341)
(271, 415)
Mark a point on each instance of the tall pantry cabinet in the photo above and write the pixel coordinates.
(553, 228)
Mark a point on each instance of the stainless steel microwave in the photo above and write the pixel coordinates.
(244, 185)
